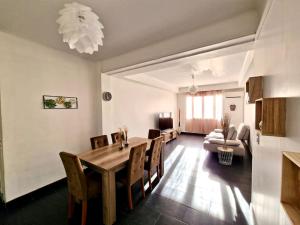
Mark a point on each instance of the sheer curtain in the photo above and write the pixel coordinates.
(203, 111)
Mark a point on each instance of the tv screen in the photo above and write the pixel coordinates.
(165, 123)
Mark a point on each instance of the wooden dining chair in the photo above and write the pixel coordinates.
(99, 141)
(153, 133)
(153, 158)
(135, 171)
(81, 186)
(116, 137)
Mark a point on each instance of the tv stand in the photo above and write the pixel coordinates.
(169, 134)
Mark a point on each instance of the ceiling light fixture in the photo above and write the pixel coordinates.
(80, 28)
(193, 89)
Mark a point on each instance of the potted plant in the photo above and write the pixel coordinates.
(225, 122)
(124, 136)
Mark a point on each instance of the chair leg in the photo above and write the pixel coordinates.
(149, 179)
(84, 212)
(142, 187)
(158, 173)
(70, 206)
(130, 205)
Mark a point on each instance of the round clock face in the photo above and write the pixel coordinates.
(107, 96)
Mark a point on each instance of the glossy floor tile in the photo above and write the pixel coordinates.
(195, 189)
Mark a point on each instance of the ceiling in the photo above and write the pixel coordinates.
(128, 25)
(211, 71)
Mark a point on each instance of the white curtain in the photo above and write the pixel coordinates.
(203, 111)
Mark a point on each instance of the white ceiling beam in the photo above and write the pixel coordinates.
(210, 87)
(243, 44)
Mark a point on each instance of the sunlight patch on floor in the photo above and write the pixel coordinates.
(173, 156)
(231, 202)
(243, 204)
(217, 205)
(187, 180)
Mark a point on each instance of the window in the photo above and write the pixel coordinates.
(208, 107)
(204, 107)
(189, 107)
(198, 107)
(219, 107)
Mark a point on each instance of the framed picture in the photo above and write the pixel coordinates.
(232, 107)
(59, 102)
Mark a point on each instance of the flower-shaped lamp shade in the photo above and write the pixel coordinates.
(80, 28)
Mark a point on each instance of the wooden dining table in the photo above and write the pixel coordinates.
(107, 161)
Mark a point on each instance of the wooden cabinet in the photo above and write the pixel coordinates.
(270, 113)
(290, 185)
(254, 88)
(169, 135)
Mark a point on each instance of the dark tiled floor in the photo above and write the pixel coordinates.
(195, 190)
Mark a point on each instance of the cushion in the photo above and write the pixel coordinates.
(232, 133)
(243, 132)
(214, 135)
(221, 142)
(218, 130)
(217, 133)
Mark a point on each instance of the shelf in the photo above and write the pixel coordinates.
(294, 157)
(169, 135)
(272, 113)
(292, 212)
(254, 88)
(258, 113)
(290, 187)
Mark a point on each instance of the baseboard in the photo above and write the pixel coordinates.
(189, 133)
(37, 193)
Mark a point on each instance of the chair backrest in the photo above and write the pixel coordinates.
(232, 133)
(75, 175)
(136, 163)
(99, 141)
(116, 137)
(155, 150)
(153, 133)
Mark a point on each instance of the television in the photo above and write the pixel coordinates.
(165, 121)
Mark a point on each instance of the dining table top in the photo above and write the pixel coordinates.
(111, 157)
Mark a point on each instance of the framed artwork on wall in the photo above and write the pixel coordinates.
(59, 102)
(232, 107)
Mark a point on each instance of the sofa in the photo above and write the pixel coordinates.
(236, 139)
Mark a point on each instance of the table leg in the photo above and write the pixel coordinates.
(162, 160)
(109, 197)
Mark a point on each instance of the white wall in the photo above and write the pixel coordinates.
(277, 53)
(181, 103)
(134, 105)
(234, 98)
(2, 186)
(33, 136)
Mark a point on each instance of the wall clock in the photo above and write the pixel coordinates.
(106, 96)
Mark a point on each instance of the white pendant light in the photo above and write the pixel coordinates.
(80, 28)
(193, 89)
